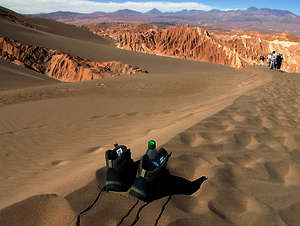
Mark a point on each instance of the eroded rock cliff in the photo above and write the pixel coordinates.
(251, 45)
(60, 65)
(235, 49)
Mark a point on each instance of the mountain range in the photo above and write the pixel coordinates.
(264, 19)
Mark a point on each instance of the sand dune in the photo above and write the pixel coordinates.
(251, 169)
(12, 77)
(91, 118)
(246, 149)
(241, 129)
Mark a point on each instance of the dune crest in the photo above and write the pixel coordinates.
(14, 17)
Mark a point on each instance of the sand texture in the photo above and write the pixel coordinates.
(240, 128)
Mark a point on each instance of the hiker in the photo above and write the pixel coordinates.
(273, 60)
(262, 60)
(269, 59)
(279, 59)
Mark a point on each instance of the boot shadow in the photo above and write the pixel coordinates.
(169, 184)
(164, 185)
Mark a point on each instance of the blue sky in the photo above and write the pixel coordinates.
(44, 6)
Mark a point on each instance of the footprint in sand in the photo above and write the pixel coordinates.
(96, 117)
(238, 118)
(234, 200)
(254, 144)
(297, 138)
(243, 138)
(115, 115)
(290, 139)
(97, 149)
(290, 215)
(42, 126)
(8, 132)
(132, 113)
(192, 139)
(295, 156)
(266, 138)
(214, 137)
(254, 163)
(187, 204)
(228, 125)
(57, 163)
(278, 170)
(293, 175)
(280, 115)
(213, 124)
(253, 205)
(104, 116)
(266, 122)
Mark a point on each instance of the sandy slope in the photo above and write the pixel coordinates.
(13, 76)
(249, 151)
(56, 137)
(239, 128)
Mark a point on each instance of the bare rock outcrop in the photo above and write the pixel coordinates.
(235, 49)
(61, 66)
(183, 42)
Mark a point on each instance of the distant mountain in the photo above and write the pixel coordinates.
(127, 12)
(60, 16)
(266, 20)
(154, 12)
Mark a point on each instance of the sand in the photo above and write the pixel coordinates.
(241, 129)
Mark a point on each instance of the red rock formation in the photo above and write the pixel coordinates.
(235, 49)
(60, 65)
(251, 45)
(183, 42)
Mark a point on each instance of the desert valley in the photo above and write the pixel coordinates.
(73, 85)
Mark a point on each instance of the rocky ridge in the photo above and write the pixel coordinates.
(14, 17)
(59, 65)
(236, 49)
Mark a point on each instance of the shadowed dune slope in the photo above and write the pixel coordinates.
(13, 76)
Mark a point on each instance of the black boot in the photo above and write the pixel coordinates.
(121, 170)
(150, 174)
(154, 180)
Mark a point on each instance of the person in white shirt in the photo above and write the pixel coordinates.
(269, 59)
(273, 60)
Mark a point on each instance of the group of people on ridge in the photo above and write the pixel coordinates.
(274, 61)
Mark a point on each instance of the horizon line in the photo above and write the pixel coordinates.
(86, 6)
(143, 12)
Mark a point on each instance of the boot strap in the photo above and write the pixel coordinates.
(112, 163)
(143, 173)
